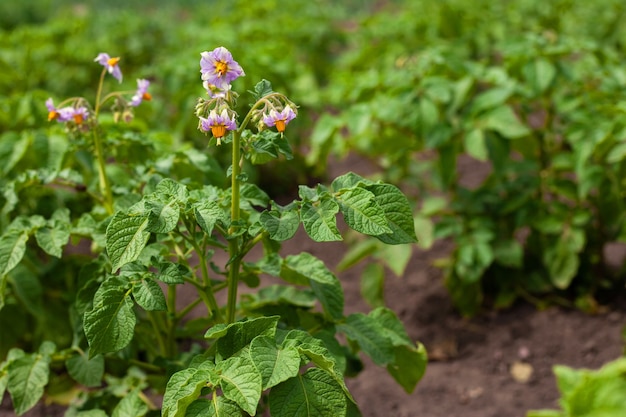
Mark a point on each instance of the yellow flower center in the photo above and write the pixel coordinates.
(218, 131)
(78, 119)
(113, 61)
(52, 115)
(147, 96)
(280, 125)
(221, 68)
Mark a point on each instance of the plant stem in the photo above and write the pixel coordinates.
(105, 187)
(157, 333)
(171, 319)
(233, 242)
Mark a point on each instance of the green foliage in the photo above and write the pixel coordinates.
(126, 217)
(588, 393)
(515, 90)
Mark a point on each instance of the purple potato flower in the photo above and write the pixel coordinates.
(219, 68)
(279, 119)
(141, 93)
(217, 124)
(64, 114)
(79, 114)
(110, 64)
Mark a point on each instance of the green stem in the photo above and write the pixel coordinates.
(157, 333)
(233, 242)
(105, 187)
(171, 319)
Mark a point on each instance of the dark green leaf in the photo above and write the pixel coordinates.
(28, 375)
(369, 334)
(149, 295)
(241, 382)
(362, 213)
(398, 213)
(312, 394)
(126, 236)
(110, 325)
(274, 363)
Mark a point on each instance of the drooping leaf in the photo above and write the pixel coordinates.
(241, 382)
(110, 325)
(369, 334)
(126, 236)
(312, 394)
(274, 363)
(409, 366)
(85, 371)
(307, 269)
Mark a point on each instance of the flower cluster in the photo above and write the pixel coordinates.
(78, 112)
(218, 70)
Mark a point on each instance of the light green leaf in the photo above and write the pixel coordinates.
(319, 220)
(369, 334)
(149, 295)
(409, 366)
(85, 371)
(617, 154)
(208, 213)
(348, 180)
(396, 257)
(126, 236)
(131, 405)
(539, 74)
(281, 224)
(475, 145)
(241, 382)
(109, 326)
(28, 375)
(218, 406)
(273, 363)
(12, 248)
(182, 389)
(504, 121)
(235, 336)
(490, 99)
(372, 284)
(398, 214)
(312, 394)
(362, 213)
